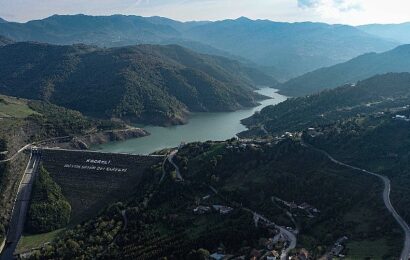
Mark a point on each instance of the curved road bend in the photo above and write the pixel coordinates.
(405, 254)
(171, 161)
(20, 208)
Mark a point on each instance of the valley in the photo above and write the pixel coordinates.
(125, 136)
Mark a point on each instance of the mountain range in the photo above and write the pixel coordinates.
(282, 49)
(143, 84)
(395, 32)
(359, 68)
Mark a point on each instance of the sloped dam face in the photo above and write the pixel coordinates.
(90, 180)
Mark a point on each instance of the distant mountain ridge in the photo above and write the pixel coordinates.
(362, 67)
(143, 84)
(396, 32)
(285, 49)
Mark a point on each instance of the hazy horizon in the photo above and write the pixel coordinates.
(352, 12)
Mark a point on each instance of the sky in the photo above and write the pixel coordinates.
(353, 12)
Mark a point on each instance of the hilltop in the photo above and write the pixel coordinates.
(362, 67)
(144, 84)
(282, 49)
(376, 94)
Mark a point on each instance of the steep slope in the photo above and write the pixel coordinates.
(396, 32)
(146, 84)
(377, 94)
(293, 48)
(362, 67)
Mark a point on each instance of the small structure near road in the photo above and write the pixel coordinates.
(222, 209)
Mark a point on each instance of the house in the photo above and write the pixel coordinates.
(201, 210)
(217, 256)
(222, 209)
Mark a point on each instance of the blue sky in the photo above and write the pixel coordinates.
(330, 11)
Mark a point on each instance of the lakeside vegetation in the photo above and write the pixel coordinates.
(141, 84)
(377, 94)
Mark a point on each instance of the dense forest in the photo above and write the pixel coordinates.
(359, 68)
(377, 94)
(379, 143)
(159, 220)
(48, 210)
(145, 84)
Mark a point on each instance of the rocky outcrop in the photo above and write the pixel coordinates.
(84, 142)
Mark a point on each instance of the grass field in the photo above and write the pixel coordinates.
(14, 108)
(28, 242)
(367, 250)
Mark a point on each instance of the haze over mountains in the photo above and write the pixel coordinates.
(395, 32)
(362, 67)
(145, 83)
(283, 49)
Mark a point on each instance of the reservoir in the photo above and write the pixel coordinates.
(218, 126)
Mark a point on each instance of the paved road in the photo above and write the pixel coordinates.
(405, 254)
(20, 208)
(287, 234)
(171, 160)
(17, 153)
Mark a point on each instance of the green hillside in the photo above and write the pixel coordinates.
(379, 143)
(376, 94)
(159, 220)
(144, 84)
(285, 49)
(362, 67)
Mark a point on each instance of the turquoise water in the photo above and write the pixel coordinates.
(201, 127)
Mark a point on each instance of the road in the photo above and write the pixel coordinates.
(286, 233)
(405, 254)
(171, 161)
(20, 208)
(17, 153)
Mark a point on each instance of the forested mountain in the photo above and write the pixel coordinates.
(293, 48)
(377, 94)
(395, 32)
(146, 83)
(362, 67)
(116, 30)
(285, 49)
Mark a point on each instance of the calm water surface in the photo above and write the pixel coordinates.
(201, 127)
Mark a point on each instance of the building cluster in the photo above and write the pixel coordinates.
(401, 118)
(307, 208)
(338, 247)
(221, 209)
(313, 132)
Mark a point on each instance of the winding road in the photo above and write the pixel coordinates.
(171, 161)
(405, 254)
